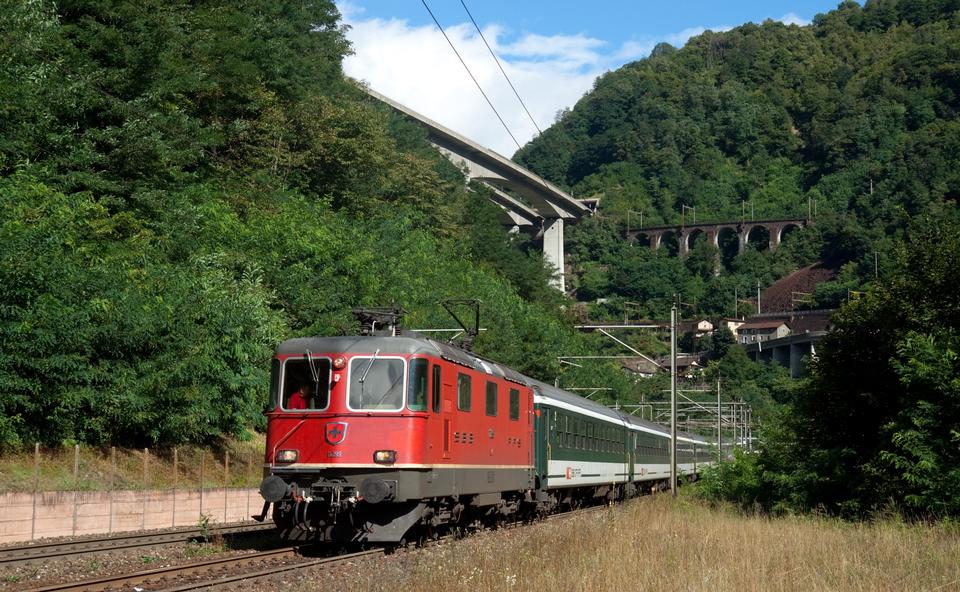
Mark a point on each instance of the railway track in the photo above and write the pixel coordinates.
(273, 572)
(223, 572)
(163, 574)
(54, 550)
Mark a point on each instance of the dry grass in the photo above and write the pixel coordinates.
(661, 544)
(96, 470)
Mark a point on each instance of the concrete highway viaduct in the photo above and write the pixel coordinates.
(529, 202)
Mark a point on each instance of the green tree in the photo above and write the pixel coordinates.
(877, 423)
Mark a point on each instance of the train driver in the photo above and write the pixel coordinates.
(300, 399)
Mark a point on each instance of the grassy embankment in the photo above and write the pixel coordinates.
(658, 544)
(96, 470)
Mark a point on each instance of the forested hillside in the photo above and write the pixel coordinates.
(853, 118)
(183, 185)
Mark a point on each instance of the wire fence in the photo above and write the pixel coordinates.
(76, 491)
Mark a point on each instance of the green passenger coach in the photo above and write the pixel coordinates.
(585, 450)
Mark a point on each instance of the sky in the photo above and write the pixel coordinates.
(551, 51)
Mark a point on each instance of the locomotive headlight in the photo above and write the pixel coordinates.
(287, 456)
(385, 457)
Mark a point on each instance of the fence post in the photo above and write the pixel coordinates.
(113, 476)
(36, 486)
(143, 516)
(247, 487)
(76, 483)
(173, 513)
(226, 483)
(203, 454)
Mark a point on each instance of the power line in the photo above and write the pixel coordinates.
(502, 122)
(499, 65)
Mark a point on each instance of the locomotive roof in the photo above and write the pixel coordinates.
(357, 345)
(408, 344)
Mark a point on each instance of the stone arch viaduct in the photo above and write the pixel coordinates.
(744, 230)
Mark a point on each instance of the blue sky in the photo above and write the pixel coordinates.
(552, 51)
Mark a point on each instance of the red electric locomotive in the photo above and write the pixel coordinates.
(374, 438)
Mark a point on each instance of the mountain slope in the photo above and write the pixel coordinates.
(853, 119)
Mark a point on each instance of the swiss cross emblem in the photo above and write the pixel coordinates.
(336, 432)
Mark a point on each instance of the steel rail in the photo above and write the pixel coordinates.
(163, 573)
(266, 574)
(58, 549)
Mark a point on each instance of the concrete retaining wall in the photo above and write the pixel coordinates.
(28, 516)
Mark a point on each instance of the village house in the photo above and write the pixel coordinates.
(754, 331)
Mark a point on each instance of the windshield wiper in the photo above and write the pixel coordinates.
(313, 368)
(370, 365)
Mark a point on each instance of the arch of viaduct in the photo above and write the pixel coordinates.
(686, 234)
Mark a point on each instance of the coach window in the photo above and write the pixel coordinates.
(491, 407)
(514, 404)
(376, 384)
(436, 388)
(417, 385)
(464, 386)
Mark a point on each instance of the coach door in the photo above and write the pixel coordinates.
(531, 434)
(541, 424)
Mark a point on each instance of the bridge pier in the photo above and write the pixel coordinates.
(528, 200)
(553, 249)
(788, 351)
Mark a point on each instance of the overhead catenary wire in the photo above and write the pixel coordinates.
(467, 68)
(502, 71)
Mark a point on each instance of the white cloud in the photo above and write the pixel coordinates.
(415, 66)
(793, 19)
(637, 49)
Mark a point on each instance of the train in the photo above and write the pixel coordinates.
(393, 437)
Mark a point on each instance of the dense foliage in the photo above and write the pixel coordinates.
(877, 424)
(852, 119)
(183, 185)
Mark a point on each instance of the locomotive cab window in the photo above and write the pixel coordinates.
(275, 367)
(417, 386)
(376, 384)
(306, 384)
